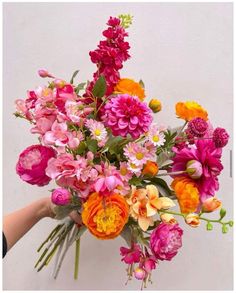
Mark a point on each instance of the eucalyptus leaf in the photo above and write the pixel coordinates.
(80, 87)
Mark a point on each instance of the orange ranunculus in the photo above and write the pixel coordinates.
(150, 168)
(187, 194)
(105, 217)
(190, 110)
(129, 86)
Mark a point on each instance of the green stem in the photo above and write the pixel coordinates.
(77, 252)
(171, 173)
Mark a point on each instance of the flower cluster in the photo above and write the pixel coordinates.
(108, 159)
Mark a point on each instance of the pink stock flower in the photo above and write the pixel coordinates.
(131, 255)
(125, 114)
(77, 111)
(43, 124)
(209, 156)
(32, 164)
(109, 180)
(110, 55)
(220, 137)
(61, 197)
(166, 240)
(63, 94)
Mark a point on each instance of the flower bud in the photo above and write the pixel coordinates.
(155, 105)
(61, 197)
(44, 73)
(165, 203)
(140, 273)
(167, 218)
(150, 168)
(192, 220)
(211, 204)
(194, 169)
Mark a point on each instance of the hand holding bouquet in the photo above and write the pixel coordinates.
(99, 142)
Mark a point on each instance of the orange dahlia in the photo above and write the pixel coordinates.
(190, 110)
(129, 86)
(187, 194)
(105, 217)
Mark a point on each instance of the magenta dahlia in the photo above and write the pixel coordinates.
(125, 114)
(209, 156)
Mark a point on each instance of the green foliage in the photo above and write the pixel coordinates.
(209, 226)
(126, 20)
(136, 181)
(73, 76)
(100, 87)
(222, 213)
(80, 87)
(81, 148)
(92, 145)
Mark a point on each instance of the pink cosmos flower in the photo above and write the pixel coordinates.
(209, 156)
(125, 114)
(32, 164)
(131, 255)
(166, 240)
(109, 180)
(156, 136)
(61, 197)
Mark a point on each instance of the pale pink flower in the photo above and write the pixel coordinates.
(136, 153)
(155, 136)
(44, 73)
(135, 169)
(125, 173)
(98, 131)
(76, 110)
(59, 135)
(43, 124)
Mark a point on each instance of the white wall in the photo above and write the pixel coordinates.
(181, 51)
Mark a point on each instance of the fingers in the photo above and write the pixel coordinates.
(76, 217)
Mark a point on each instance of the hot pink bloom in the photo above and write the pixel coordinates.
(125, 114)
(209, 156)
(166, 240)
(197, 127)
(64, 93)
(149, 264)
(32, 164)
(131, 255)
(109, 180)
(61, 197)
(220, 137)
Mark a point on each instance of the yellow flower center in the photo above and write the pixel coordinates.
(108, 219)
(123, 171)
(97, 132)
(139, 156)
(155, 138)
(133, 166)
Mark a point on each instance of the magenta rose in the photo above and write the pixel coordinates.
(165, 241)
(32, 164)
(61, 197)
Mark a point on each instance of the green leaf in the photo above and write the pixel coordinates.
(142, 84)
(222, 213)
(81, 148)
(73, 76)
(135, 181)
(209, 226)
(80, 87)
(92, 145)
(164, 159)
(100, 87)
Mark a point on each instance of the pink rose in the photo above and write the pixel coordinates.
(61, 197)
(32, 164)
(165, 241)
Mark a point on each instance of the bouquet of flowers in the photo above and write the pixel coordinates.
(108, 157)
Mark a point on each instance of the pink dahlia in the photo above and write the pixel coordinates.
(166, 240)
(32, 164)
(220, 137)
(209, 156)
(125, 114)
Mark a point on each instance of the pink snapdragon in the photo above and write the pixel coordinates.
(131, 255)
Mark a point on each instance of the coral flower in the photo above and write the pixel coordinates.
(187, 194)
(125, 114)
(129, 86)
(150, 168)
(105, 217)
(190, 110)
(144, 204)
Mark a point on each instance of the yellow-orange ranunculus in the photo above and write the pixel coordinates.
(150, 168)
(129, 86)
(105, 217)
(155, 105)
(190, 110)
(144, 204)
(187, 194)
